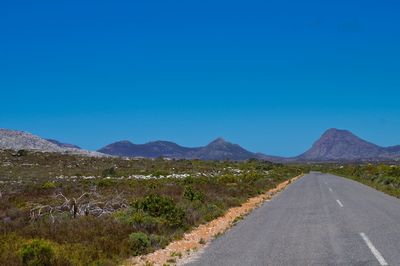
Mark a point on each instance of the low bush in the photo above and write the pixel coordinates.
(212, 211)
(192, 194)
(109, 172)
(105, 182)
(49, 185)
(139, 243)
(37, 252)
(159, 241)
(161, 206)
(144, 222)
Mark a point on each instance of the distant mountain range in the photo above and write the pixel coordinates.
(333, 146)
(218, 149)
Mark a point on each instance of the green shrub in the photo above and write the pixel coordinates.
(212, 211)
(142, 221)
(188, 180)
(159, 241)
(159, 173)
(10, 245)
(139, 243)
(109, 172)
(49, 185)
(105, 183)
(192, 194)
(394, 171)
(225, 179)
(161, 206)
(37, 252)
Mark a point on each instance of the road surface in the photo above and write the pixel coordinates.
(320, 219)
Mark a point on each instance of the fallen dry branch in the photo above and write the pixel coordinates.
(89, 203)
(203, 234)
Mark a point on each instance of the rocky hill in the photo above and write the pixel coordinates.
(342, 145)
(19, 140)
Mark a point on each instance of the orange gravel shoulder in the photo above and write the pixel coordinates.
(181, 250)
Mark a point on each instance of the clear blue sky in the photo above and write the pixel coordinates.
(270, 75)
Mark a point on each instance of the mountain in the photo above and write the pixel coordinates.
(393, 149)
(63, 145)
(152, 149)
(19, 140)
(218, 149)
(341, 145)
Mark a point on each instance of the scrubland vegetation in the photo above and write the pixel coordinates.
(70, 210)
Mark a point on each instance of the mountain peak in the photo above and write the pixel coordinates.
(218, 141)
(336, 145)
(337, 132)
(124, 142)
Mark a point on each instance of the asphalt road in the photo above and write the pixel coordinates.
(320, 219)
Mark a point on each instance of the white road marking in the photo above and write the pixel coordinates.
(326, 183)
(338, 202)
(330, 190)
(374, 251)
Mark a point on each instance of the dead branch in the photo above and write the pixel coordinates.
(88, 203)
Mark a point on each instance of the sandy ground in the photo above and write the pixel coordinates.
(185, 249)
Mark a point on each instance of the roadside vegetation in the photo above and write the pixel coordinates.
(383, 177)
(70, 210)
